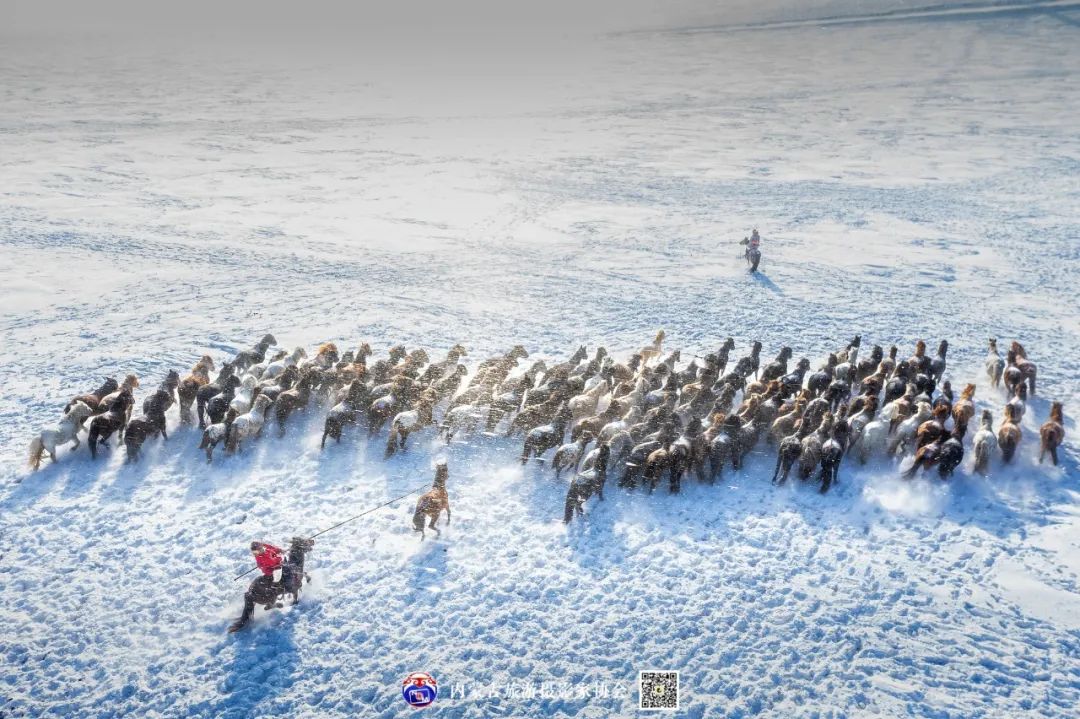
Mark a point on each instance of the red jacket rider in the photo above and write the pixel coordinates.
(268, 557)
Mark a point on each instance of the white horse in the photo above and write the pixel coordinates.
(66, 430)
(407, 422)
(874, 438)
(636, 397)
(241, 402)
(276, 369)
(465, 418)
(995, 365)
(585, 404)
(632, 417)
(248, 425)
(985, 442)
(905, 433)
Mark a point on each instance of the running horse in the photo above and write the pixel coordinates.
(269, 593)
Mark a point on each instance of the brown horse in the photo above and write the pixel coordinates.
(649, 352)
(431, 504)
(189, 386)
(1009, 433)
(1028, 370)
(93, 399)
(964, 409)
(1052, 433)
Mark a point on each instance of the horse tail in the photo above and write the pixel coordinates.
(1008, 449)
(37, 448)
(982, 457)
(326, 431)
(418, 519)
(571, 501)
(92, 438)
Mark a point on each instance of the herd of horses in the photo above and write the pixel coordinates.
(649, 419)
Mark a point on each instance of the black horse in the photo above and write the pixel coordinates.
(264, 590)
(208, 391)
(587, 484)
(348, 411)
(115, 418)
(753, 257)
(151, 423)
(246, 358)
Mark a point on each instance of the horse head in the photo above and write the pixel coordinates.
(79, 411)
(172, 380)
(298, 547)
(108, 387)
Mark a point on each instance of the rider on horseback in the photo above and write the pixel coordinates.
(269, 559)
(264, 590)
(753, 249)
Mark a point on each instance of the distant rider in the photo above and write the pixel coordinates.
(753, 249)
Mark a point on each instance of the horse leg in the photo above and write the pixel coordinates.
(568, 511)
(776, 472)
(245, 617)
(1031, 382)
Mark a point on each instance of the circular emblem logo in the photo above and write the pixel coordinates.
(419, 689)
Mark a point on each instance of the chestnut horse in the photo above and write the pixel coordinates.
(189, 386)
(1052, 433)
(430, 504)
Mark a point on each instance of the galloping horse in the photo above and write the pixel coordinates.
(433, 502)
(268, 593)
(115, 418)
(66, 430)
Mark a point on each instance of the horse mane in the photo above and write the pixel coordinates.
(327, 347)
(1018, 349)
(969, 392)
(920, 348)
(1010, 414)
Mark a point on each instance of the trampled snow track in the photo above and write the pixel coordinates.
(144, 223)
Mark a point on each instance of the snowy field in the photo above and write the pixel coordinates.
(912, 179)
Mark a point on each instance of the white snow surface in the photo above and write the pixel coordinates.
(911, 179)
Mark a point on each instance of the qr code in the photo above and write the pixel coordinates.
(659, 690)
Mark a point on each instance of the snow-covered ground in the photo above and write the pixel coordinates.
(916, 178)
